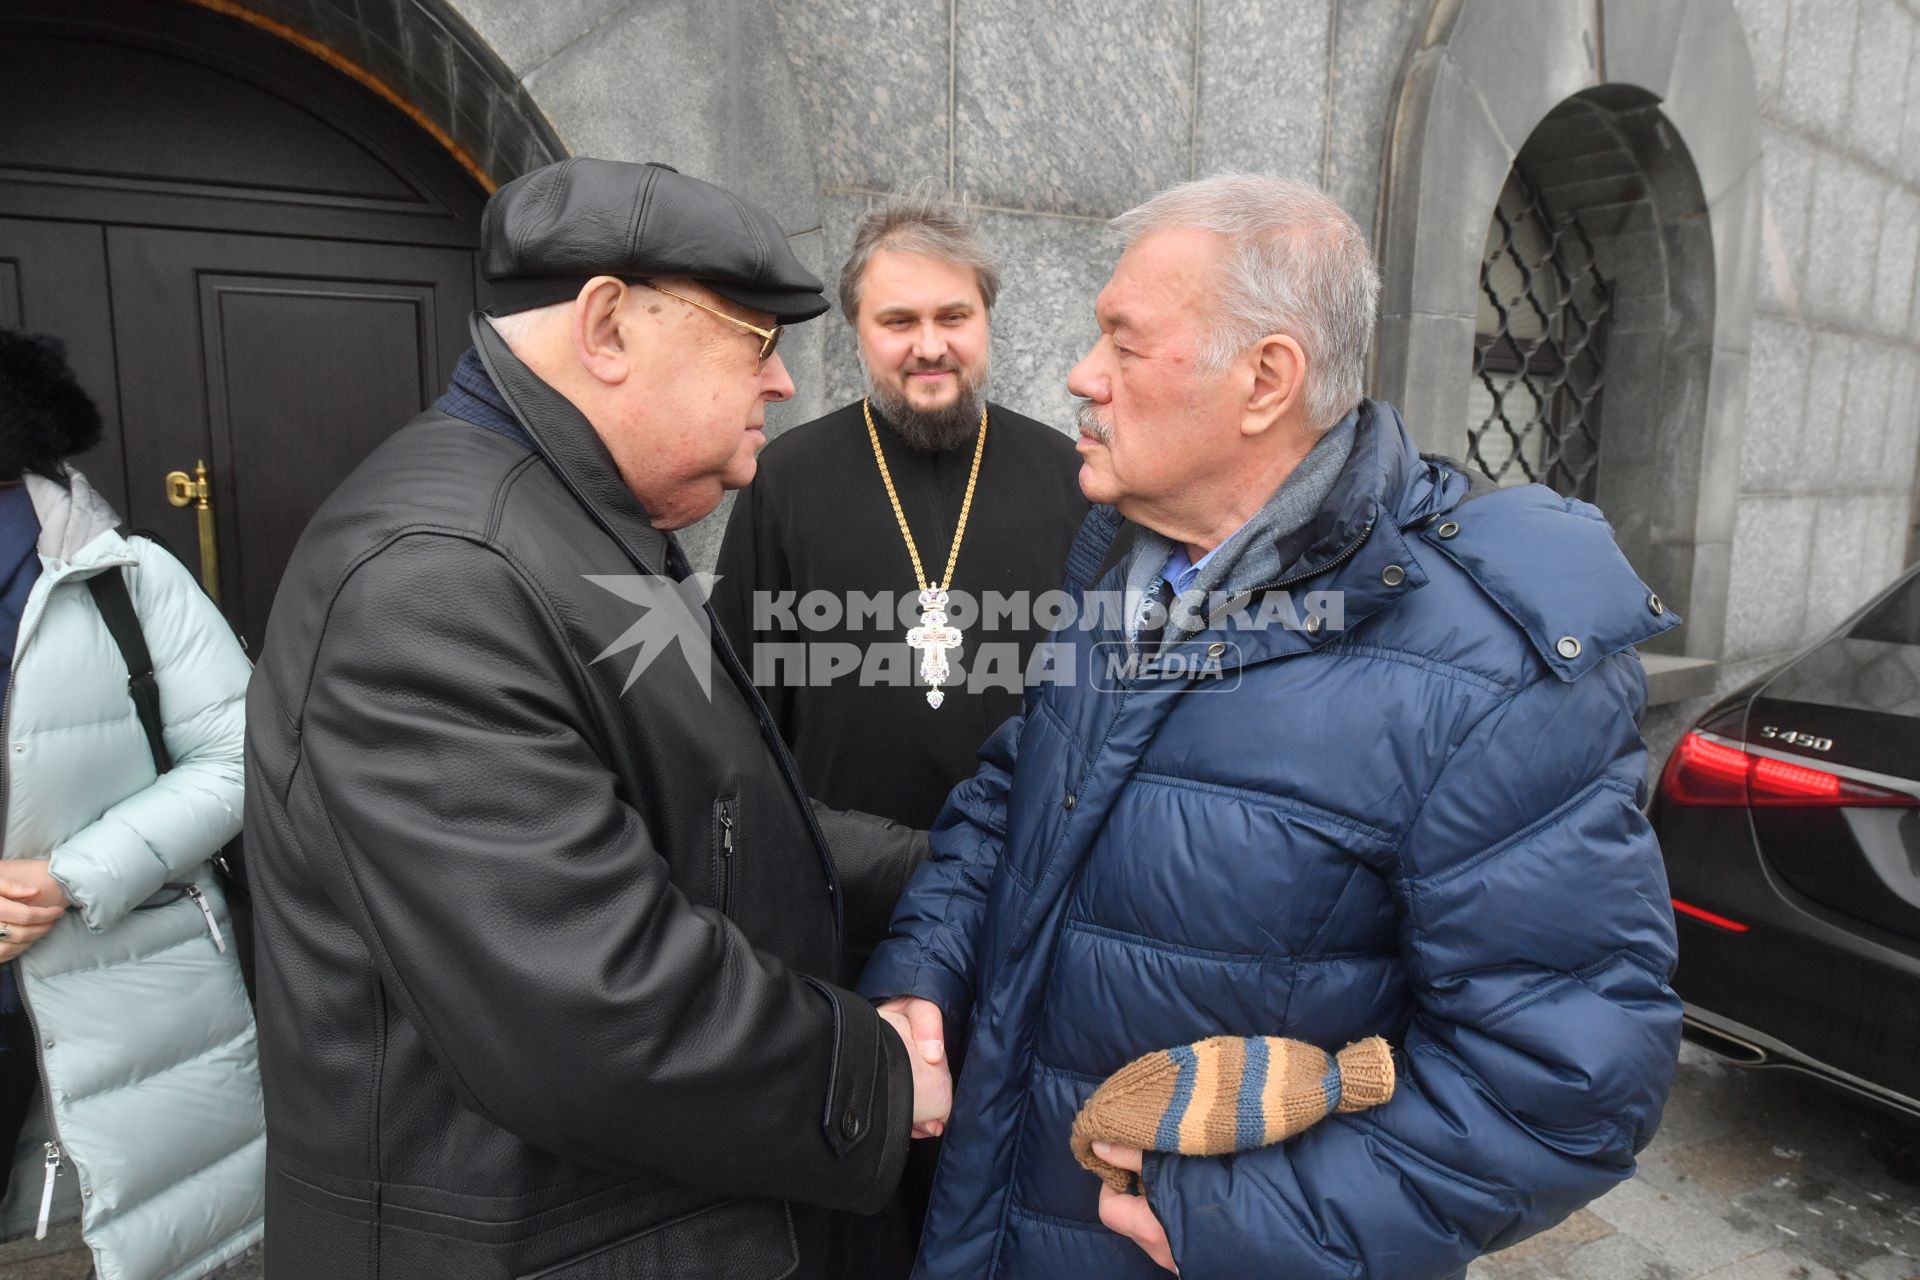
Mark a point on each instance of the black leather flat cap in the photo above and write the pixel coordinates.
(548, 232)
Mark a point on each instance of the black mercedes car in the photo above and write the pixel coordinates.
(1789, 816)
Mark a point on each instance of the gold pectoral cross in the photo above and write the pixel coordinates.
(933, 637)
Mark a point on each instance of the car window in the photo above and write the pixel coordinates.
(1873, 666)
(1895, 620)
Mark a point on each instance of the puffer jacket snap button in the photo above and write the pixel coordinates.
(1568, 647)
(1393, 575)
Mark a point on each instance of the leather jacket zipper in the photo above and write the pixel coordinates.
(770, 733)
(723, 811)
(54, 1159)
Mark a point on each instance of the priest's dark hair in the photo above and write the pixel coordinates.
(917, 222)
(45, 417)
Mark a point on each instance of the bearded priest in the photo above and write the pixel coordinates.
(881, 574)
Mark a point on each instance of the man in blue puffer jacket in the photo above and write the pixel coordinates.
(1399, 797)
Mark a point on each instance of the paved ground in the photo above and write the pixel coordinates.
(54, 1258)
(1755, 1176)
(62, 1257)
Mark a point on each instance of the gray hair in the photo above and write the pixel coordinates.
(917, 222)
(1295, 264)
(518, 327)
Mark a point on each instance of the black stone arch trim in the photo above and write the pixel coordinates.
(431, 64)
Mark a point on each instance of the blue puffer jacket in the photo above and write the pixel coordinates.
(1424, 825)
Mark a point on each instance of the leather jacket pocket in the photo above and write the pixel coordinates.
(726, 849)
(732, 1240)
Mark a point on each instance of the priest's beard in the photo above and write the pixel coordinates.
(935, 430)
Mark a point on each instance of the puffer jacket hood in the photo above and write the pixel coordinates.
(150, 1125)
(1415, 817)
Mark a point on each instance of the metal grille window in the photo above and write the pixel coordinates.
(1539, 348)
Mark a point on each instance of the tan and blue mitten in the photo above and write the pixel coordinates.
(1225, 1094)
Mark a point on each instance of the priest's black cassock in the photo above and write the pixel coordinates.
(817, 518)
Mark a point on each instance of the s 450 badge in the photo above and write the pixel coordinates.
(1793, 737)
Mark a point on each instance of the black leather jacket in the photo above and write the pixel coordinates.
(544, 965)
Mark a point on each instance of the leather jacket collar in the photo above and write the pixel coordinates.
(574, 450)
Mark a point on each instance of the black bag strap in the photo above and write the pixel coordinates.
(115, 603)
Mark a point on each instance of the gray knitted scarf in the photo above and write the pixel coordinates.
(1259, 550)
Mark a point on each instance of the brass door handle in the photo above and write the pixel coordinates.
(193, 490)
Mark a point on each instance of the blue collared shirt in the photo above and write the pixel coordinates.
(1180, 572)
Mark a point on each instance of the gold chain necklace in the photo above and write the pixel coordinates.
(935, 635)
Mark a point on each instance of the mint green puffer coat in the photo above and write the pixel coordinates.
(147, 1060)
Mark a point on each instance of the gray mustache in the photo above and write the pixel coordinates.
(1087, 419)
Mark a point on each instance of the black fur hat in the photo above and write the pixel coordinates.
(44, 415)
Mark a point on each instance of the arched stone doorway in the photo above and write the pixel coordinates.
(1663, 169)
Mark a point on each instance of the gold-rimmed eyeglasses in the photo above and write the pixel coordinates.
(769, 338)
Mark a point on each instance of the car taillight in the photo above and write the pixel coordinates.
(1702, 771)
(1713, 918)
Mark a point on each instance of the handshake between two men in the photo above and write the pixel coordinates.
(1277, 1087)
(920, 1024)
(924, 1031)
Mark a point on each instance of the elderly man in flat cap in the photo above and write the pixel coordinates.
(547, 928)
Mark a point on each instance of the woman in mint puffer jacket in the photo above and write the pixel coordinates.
(122, 994)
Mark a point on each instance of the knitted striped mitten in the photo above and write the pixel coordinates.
(1228, 1093)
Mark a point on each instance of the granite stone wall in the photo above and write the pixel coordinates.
(1833, 424)
(1826, 501)
(1049, 116)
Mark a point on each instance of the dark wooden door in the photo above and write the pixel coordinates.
(280, 362)
(253, 261)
